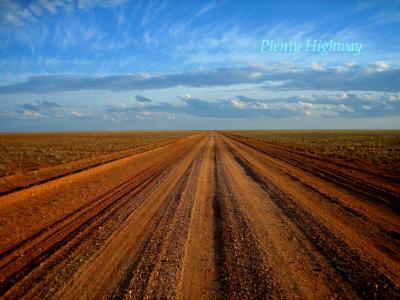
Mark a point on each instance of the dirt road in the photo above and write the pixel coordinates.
(210, 216)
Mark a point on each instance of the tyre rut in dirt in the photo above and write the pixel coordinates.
(74, 214)
(242, 269)
(364, 278)
(359, 219)
(157, 267)
(92, 166)
(364, 190)
(83, 227)
(218, 231)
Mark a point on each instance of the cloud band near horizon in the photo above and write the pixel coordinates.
(376, 76)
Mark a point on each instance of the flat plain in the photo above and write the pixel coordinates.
(27, 159)
(24, 152)
(206, 215)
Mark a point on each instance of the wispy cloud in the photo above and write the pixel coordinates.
(174, 36)
(18, 13)
(85, 4)
(139, 50)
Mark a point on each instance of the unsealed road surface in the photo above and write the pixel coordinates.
(211, 216)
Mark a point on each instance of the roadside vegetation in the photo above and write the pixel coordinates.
(22, 152)
(380, 147)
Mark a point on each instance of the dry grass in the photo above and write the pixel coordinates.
(24, 152)
(381, 147)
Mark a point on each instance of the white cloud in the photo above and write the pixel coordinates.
(237, 103)
(28, 114)
(85, 4)
(185, 96)
(306, 105)
(378, 66)
(344, 108)
(394, 97)
(317, 66)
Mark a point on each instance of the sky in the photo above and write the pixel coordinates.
(150, 65)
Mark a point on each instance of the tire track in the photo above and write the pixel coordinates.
(33, 253)
(349, 209)
(364, 278)
(210, 209)
(140, 149)
(114, 192)
(300, 271)
(242, 271)
(117, 260)
(157, 268)
(369, 229)
(198, 276)
(367, 191)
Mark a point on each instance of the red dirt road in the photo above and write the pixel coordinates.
(210, 216)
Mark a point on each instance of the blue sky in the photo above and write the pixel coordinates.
(116, 65)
